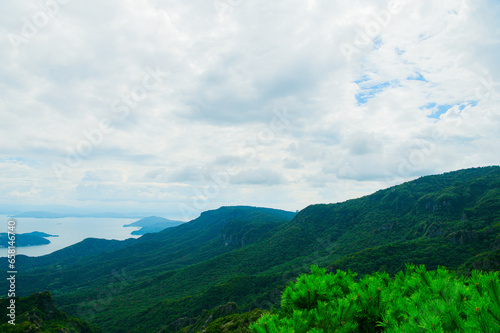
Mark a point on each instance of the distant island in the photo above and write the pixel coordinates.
(40, 215)
(28, 239)
(152, 224)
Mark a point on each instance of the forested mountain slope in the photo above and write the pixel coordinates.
(38, 313)
(247, 255)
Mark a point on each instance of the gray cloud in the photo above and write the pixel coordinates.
(355, 125)
(258, 177)
(103, 176)
(362, 143)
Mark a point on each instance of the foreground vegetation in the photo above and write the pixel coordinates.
(415, 300)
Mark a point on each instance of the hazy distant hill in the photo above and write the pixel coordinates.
(41, 215)
(152, 224)
(52, 215)
(247, 255)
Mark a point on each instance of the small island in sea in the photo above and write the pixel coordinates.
(152, 224)
(28, 239)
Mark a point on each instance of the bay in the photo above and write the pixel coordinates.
(71, 230)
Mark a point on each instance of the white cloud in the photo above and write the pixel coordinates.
(419, 95)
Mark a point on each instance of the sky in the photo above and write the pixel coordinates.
(179, 107)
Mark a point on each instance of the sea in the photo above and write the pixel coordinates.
(70, 230)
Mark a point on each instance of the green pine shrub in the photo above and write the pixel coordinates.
(414, 300)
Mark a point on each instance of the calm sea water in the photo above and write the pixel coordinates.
(71, 230)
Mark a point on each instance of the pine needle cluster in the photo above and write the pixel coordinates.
(414, 300)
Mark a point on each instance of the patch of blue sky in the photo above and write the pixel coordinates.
(423, 37)
(367, 93)
(417, 77)
(364, 78)
(438, 110)
(471, 103)
(377, 42)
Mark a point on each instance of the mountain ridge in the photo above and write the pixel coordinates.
(183, 270)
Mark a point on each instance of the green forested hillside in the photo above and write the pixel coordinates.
(72, 254)
(248, 255)
(92, 285)
(38, 313)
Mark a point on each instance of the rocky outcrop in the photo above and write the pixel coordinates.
(386, 227)
(179, 324)
(463, 237)
(434, 231)
(209, 316)
(38, 313)
(486, 264)
(199, 324)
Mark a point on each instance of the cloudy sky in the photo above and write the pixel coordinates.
(179, 107)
